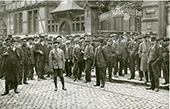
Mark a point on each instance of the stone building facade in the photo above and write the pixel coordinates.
(33, 17)
(156, 17)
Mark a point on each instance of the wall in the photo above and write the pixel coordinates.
(154, 17)
(168, 21)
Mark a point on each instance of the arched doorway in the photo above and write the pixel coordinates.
(64, 28)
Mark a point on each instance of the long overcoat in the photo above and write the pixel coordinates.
(143, 54)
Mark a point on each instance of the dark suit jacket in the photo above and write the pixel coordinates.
(26, 55)
(100, 57)
(12, 64)
(38, 56)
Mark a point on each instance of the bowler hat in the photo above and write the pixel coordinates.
(153, 38)
(9, 37)
(166, 39)
(59, 37)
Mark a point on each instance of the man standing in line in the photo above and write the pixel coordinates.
(88, 57)
(11, 66)
(153, 64)
(143, 54)
(40, 57)
(133, 49)
(165, 54)
(118, 57)
(1, 57)
(57, 64)
(77, 57)
(26, 61)
(100, 64)
(109, 49)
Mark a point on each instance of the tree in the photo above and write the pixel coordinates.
(109, 4)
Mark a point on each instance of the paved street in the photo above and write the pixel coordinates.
(41, 95)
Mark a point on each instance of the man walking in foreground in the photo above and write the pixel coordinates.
(57, 62)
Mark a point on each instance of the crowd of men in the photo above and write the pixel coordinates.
(115, 54)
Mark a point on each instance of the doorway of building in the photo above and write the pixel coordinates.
(64, 28)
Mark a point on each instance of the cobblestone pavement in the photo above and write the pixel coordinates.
(41, 95)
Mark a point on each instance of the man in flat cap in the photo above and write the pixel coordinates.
(88, 57)
(133, 50)
(77, 55)
(57, 63)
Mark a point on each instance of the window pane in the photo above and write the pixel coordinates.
(77, 18)
(48, 21)
(53, 28)
(52, 21)
(56, 28)
(82, 18)
(15, 23)
(20, 23)
(77, 27)
(30, 21)
(49, 29)
(82, 26)
(73, 27)
(35, 21)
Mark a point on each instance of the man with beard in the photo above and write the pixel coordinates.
(11, 66)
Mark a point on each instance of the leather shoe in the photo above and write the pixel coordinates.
(16, 91)
(146, 82)
(164, 83)
(130, 78)
(102, 86)
(43, 78)
(156, 90)
(140, 79)
(5, 93)
(25, 83)
(96, 85)
(149, 88)
(64, 89)
(55, 89)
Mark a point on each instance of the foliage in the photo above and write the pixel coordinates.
(109, 4)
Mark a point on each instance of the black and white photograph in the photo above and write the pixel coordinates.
(84, 54)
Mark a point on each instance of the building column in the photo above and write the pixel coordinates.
(25, 22)
(168, 19)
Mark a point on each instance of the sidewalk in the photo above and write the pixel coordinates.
(124, 79)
